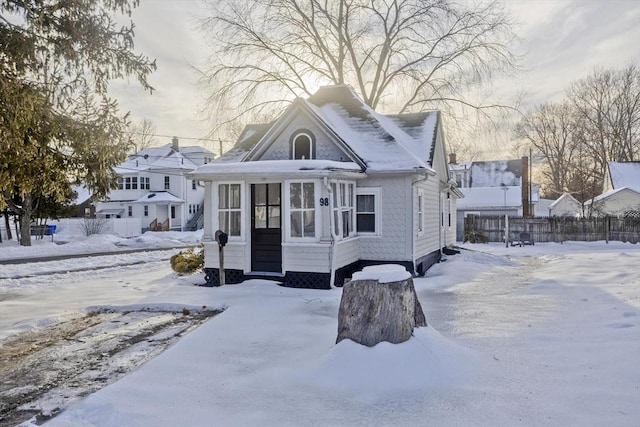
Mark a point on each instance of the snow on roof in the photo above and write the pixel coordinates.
(383, 142)
(160, 158)
(276, 167)
(83, 194)
(496, 173)
(460, 166)
(560, 199)
(611, 193)
(625, 174)
(493, 197)
(159, 197)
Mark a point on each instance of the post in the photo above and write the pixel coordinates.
(221, 269)
(506, 230)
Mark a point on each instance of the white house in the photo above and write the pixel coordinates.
(565, 205)
(327, 188)
(152, 186)
(495, 187)
(621, 190)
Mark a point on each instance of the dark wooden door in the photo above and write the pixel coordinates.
(266, 236)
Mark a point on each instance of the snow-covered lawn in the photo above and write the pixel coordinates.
(547, 335)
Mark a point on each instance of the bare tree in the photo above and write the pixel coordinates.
(608, 107)
(142, 135)
(399, 55)
(550, 130)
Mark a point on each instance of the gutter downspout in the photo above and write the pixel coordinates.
(332, 250)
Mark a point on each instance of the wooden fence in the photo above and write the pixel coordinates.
(556, 229)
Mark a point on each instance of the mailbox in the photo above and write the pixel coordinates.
(221, 238)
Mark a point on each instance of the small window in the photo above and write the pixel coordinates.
(127, 183)
(134, 183)
(229, 208)
(367, 210)
(146, 210)
(130, 210)
(166, 183)
(302, 147)
(120, 183)
(302, 209)
(173, 212)
(193, 185)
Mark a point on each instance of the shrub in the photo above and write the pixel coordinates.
(187, 262)
(475, 236)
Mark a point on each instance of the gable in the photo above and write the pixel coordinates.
(278, 146)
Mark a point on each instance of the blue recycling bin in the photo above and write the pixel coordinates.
(51, 230)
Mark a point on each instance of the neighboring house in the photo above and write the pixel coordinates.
(327, 188)
(81, 206)
(622, 174)
(614, 202)
(566, 205)
(152, 186)
(496, 187)
(621, 190)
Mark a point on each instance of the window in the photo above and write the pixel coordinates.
(146, 210)
(134, 183)
(302, 209)
(173, 212)
(127, 183)
(144, 183)
(166, 183)
(229, 208)
(343, 208)
(302, 147)
(130, 210)
(120, 183)
(193, 185)
(420, 212)
(367, 201)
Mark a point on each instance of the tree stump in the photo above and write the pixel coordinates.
(375, 308)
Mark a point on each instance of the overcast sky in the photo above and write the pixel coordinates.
(562, 40)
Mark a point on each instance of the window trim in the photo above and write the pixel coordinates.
(375, 192)
(216, 205)
(312, 144)
(167, 182)
(286, 203)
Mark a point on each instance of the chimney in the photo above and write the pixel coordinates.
(452, 158)
(526, 203)
(174, 143)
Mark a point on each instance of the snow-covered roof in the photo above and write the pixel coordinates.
(161, 158)
(383, 143)
(491, 197)
(625, 174)
(83, 194)
(460, 166)
(159, 197)
(279, 167)
(566, 196)
(610, 193)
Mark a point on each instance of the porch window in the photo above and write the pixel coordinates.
(166, 183)
(343, 208)
(367, 210)
(302, 146)
(420, 212)
(302, 209)
(229, 208)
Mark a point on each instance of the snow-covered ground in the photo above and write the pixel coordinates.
(543, 335)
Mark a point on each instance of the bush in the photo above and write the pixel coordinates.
(187, 262)
(475, 236)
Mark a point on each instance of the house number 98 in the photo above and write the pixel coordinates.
(324, 201)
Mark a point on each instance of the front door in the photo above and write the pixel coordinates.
(266, 237)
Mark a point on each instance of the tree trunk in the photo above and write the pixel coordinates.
(372, 312)
(8, 226)
(25, 221)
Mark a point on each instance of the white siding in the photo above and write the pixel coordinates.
(394, 242)
(235, 256)
(325, 148)
(346, 252)
(312, 257)
(429, 240)
(618, 203)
